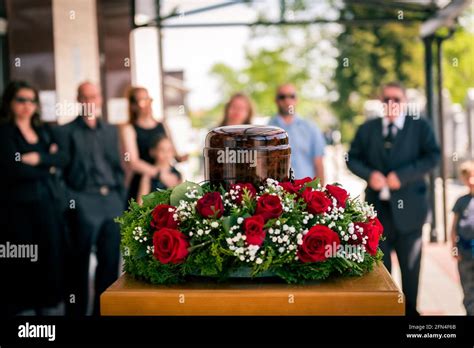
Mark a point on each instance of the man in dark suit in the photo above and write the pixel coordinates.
(94, 178)
(394, 154)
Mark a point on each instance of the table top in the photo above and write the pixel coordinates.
(372, 294)
(379, 280)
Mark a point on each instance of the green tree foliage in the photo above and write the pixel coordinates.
(264, 71)
(458, 54)
(367, 56)
(370, 56)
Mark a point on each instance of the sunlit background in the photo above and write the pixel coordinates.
(337, 62)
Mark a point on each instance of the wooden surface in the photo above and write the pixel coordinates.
(372, 294)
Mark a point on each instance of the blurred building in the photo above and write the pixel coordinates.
(56, 44)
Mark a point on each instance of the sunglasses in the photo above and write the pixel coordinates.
(286, 96)
(395, 100)
(137, 101)
(22, 100)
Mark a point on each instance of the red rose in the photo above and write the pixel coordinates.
(300, 182)
(377, 225)
(373, 230)
(239, 187)
(253, 227)
(372, 242)
(289, 187)
(163, 217)
(295, 186)
(316, 201)
(170, 246)
(210, 205)
(316, 243)
(374, 234)
(339, 193)
(269, 206)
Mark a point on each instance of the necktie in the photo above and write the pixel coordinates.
(390, 137)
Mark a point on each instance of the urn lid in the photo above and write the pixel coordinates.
(247, 136)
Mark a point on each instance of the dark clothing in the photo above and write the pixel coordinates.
(93, 229)
(145, 139)
(412, 153)
(157, 184)
(95, 181)
(464, 208)
(407, 246)
(466, 273)
(100, 173)
(94, 156)
(31, 215)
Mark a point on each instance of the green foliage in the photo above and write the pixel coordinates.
(265, 70)
(313, 184)
(304, 272)
(370, 56)
(179, 192)
(210, 254)
(459, 65)
(248, 201)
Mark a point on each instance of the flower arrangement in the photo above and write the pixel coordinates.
(297, 231)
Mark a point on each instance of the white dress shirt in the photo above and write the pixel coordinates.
(398, 123)
(384, 194)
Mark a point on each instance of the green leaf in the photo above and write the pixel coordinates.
(313, 184)
(179, 192)
(151, 197)
(226, 224)
(229, 221)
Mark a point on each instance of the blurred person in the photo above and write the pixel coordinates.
(137, 136)
(30, 210)
(306, 140)
(238, 110)
(462, 236)
(394, 154)
(94, 178)
(162, 152)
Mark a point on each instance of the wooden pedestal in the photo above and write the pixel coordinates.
(372, 294)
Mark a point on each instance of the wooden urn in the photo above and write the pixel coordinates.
(246, 153)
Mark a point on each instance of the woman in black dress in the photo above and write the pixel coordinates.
(30, 211)
(137, 136)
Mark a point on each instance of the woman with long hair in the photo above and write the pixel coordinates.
(29, 204)
(238, 110)
(137, 136)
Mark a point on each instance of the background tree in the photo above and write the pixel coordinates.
(346, 64)
(370, 56)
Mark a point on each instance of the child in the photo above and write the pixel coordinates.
(462, 236)
(162, 152)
